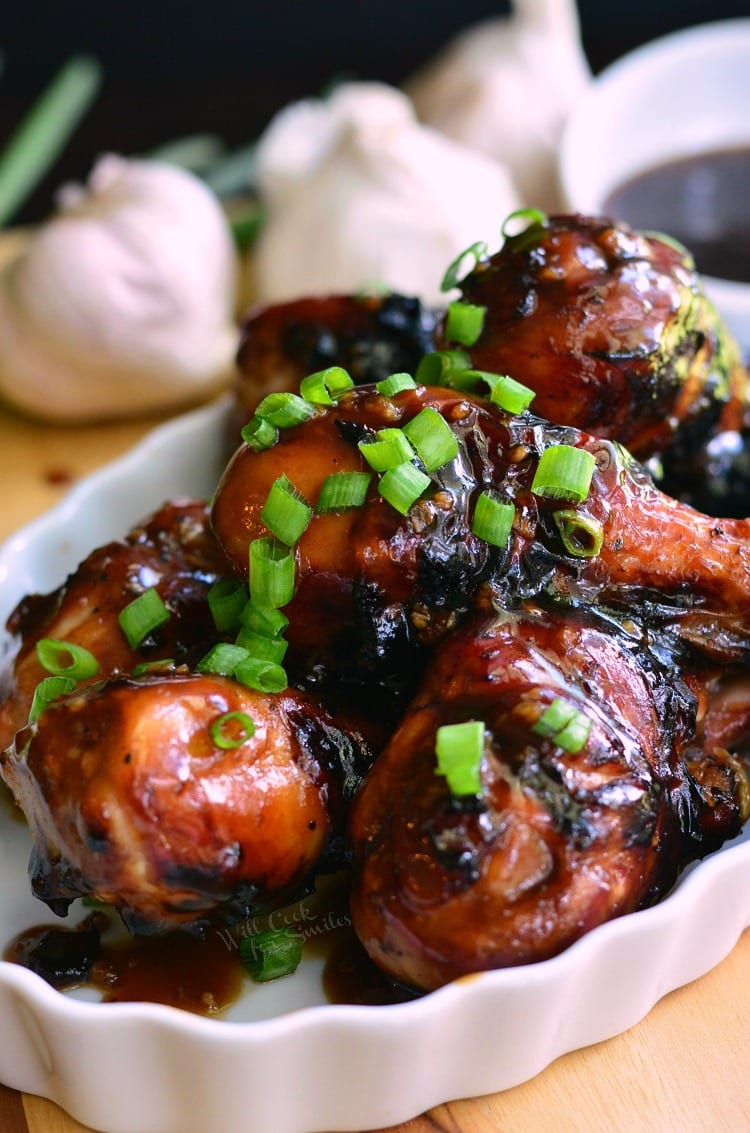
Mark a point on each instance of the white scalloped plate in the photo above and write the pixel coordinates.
(282, 1060)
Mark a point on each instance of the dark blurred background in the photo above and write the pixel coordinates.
(173, 67)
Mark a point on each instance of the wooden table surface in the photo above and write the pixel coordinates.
(686, 1066)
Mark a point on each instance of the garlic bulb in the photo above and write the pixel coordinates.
(505, 88)
(123, 302)
(357, 193)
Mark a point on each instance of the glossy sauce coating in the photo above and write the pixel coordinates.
(557, 842)
(174, 552)
(610, 329)
(130, 799)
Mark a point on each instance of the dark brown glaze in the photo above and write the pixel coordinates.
(379, 588)
(173, 551)
(129, 800)
(556, 843)
(370, 336)
(612, 331)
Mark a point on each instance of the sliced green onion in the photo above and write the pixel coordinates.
(271, 954)
(510, 395)
(144, 667)
(564, 473)
(343, 490)
(271, 573)
(264, 676)
(259, 434)
(403, 485)
(470, 381)
(395, 383)
(522, 220)
(575, 733)
(326, 386)
(46, 691)
(226, 601)
(581, 535)
(232, 730)
(63, 659)
(433, 439)
(390, 447)
(436, 368)
(285, 410)
(459, 749)
(264, 620)
(285, 513)
(41, 137)
(143, 615)
(464, 323)
(453, 274)
(554, 718)
(564, 725)
(262, 648)
(493, 519)
(222, 659)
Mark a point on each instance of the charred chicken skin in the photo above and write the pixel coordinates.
(611, 330)
(132, 798)
(558, 841)
(173, 552)
(370, 336)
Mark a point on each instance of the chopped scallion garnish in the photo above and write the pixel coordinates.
(271, 954)
(63, 659)
(231, 730)
(440, 366)
(261, 647)
(266, 621)
(493, 519)
(562, 723)
(226, 601)
(222, 659)
(390, 447)
(454, 274)
(285, 410)
(46, 691)
(326, 386)
(521, 220)
(271, 573)
(471, 381)
(403, 485)
(285, 513)
(510, 395)
(395, 383)
(433, 439)
(554, 718)
(259, 434)
(142, 616)
(342, 490)
(264, 676)
(459, 749)
(581, 535)
(564, 473)
(464, 323)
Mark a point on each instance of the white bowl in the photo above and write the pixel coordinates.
(281, 1059)
(676, 97)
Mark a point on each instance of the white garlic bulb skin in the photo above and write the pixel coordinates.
(358, 193)
(506, 87)
(123, 302)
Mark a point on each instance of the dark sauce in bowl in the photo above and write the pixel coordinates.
(703, 201)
